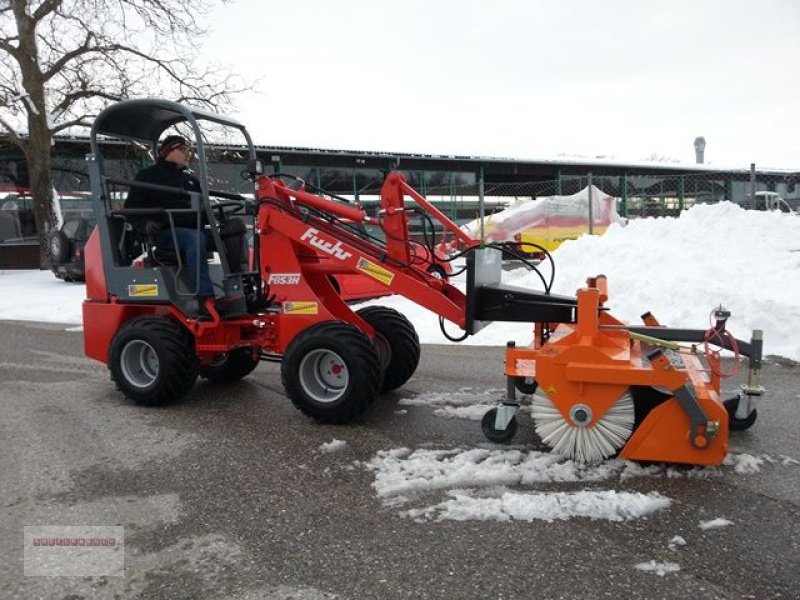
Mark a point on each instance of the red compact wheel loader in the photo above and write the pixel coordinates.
(587, 372)
(139, 317)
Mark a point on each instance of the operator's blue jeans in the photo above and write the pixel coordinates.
(193, 255)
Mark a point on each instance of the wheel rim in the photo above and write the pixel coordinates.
(139, 363)
(219, 360)
(324, 375)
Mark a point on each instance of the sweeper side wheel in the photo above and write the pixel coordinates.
(331, 372)
(231, 366)
(734, 424)
(525, 388)
(498, 436)
(397, 344)
(153, 361)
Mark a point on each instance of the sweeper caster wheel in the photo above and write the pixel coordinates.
(498, 436)
(231, 366)
(397, 344)
(331, 371)
(153, 361)
(734, 424)
(525, 388)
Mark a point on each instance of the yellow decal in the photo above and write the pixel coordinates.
(375, 271)
(143, 289)
(300, 308)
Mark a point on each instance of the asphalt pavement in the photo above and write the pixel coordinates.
(228, 495)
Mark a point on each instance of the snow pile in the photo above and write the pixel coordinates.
(715, 524)
(744, 463)
(676, 542)
(465, 403)
(400, 472)
(609, 505)
(658, 568)
(39, 296)
(332, 446)
(478, 482)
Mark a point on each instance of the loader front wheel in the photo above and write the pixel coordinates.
(331, 372)
(231, 366)
(153, 361)
(397, 344)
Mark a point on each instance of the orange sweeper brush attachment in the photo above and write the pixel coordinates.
(599, 388)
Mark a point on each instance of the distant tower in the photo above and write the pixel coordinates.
(699, 149)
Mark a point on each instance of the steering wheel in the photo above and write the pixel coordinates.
(230, 208)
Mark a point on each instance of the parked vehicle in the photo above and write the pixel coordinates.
(770, 201)
(67, 246)
(545, 223)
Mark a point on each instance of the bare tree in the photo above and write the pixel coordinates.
(62, 60)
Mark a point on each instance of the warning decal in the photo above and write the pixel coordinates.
(143, 290)
(300, 308)
(375, 271)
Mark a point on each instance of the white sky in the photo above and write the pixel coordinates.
(621, 79)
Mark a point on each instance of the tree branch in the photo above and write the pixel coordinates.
(81, 121)
(45, 8)
(14, 136)
(72, 54)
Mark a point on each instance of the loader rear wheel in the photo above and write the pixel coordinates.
(153, 361)
(331, 372)
(498, 436)
(734, 424)
(397, 344)
(231, 366)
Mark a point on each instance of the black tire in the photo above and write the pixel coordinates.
(498, 436)
(525, 388)
(734, 424)
(397, 344)
(59, 247)
(231, 366)
(153, 360)
(437, 272)
(331, 372)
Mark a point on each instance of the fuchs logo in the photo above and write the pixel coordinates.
(334, 250)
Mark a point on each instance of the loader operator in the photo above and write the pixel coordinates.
(194, 242)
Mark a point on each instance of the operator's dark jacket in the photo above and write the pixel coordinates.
(166, 173)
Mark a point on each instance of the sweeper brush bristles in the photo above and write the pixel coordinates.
(590, 443)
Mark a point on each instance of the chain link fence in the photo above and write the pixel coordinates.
(637, 195)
